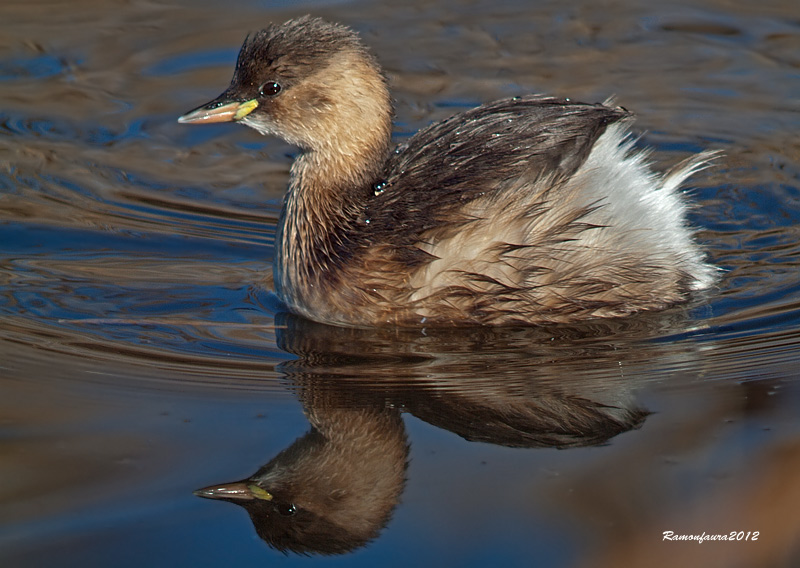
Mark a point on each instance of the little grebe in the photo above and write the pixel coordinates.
(525, 210)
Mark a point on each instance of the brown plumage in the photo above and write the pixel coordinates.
(332, 490)
(526, 210)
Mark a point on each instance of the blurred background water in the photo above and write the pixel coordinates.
(141, 355)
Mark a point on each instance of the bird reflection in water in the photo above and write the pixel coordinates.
(334, 489)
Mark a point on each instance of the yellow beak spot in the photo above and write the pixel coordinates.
(243, 110)
(257, 492)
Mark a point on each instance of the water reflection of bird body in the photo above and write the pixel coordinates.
(334, 489)
(525, 210)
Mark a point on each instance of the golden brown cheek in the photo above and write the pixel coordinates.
(305, 112)
(315, 96)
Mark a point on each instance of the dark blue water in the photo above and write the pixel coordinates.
(142, 355)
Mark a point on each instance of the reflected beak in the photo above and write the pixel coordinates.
(236, 491)
(219, 110)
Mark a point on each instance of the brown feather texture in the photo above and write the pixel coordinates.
(527, 210)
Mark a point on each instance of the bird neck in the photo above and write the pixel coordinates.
(328, 190)
(344, 154)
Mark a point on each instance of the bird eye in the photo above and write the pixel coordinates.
(269, 89)
(286, 509)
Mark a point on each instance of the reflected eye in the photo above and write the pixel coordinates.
(286, 509)
(269, 89)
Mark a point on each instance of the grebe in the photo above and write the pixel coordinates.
(528, 210)
(334, 489)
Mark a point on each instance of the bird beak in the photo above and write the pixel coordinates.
(219, 110)
(237, 491)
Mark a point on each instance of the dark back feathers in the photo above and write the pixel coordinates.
(479, 151)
